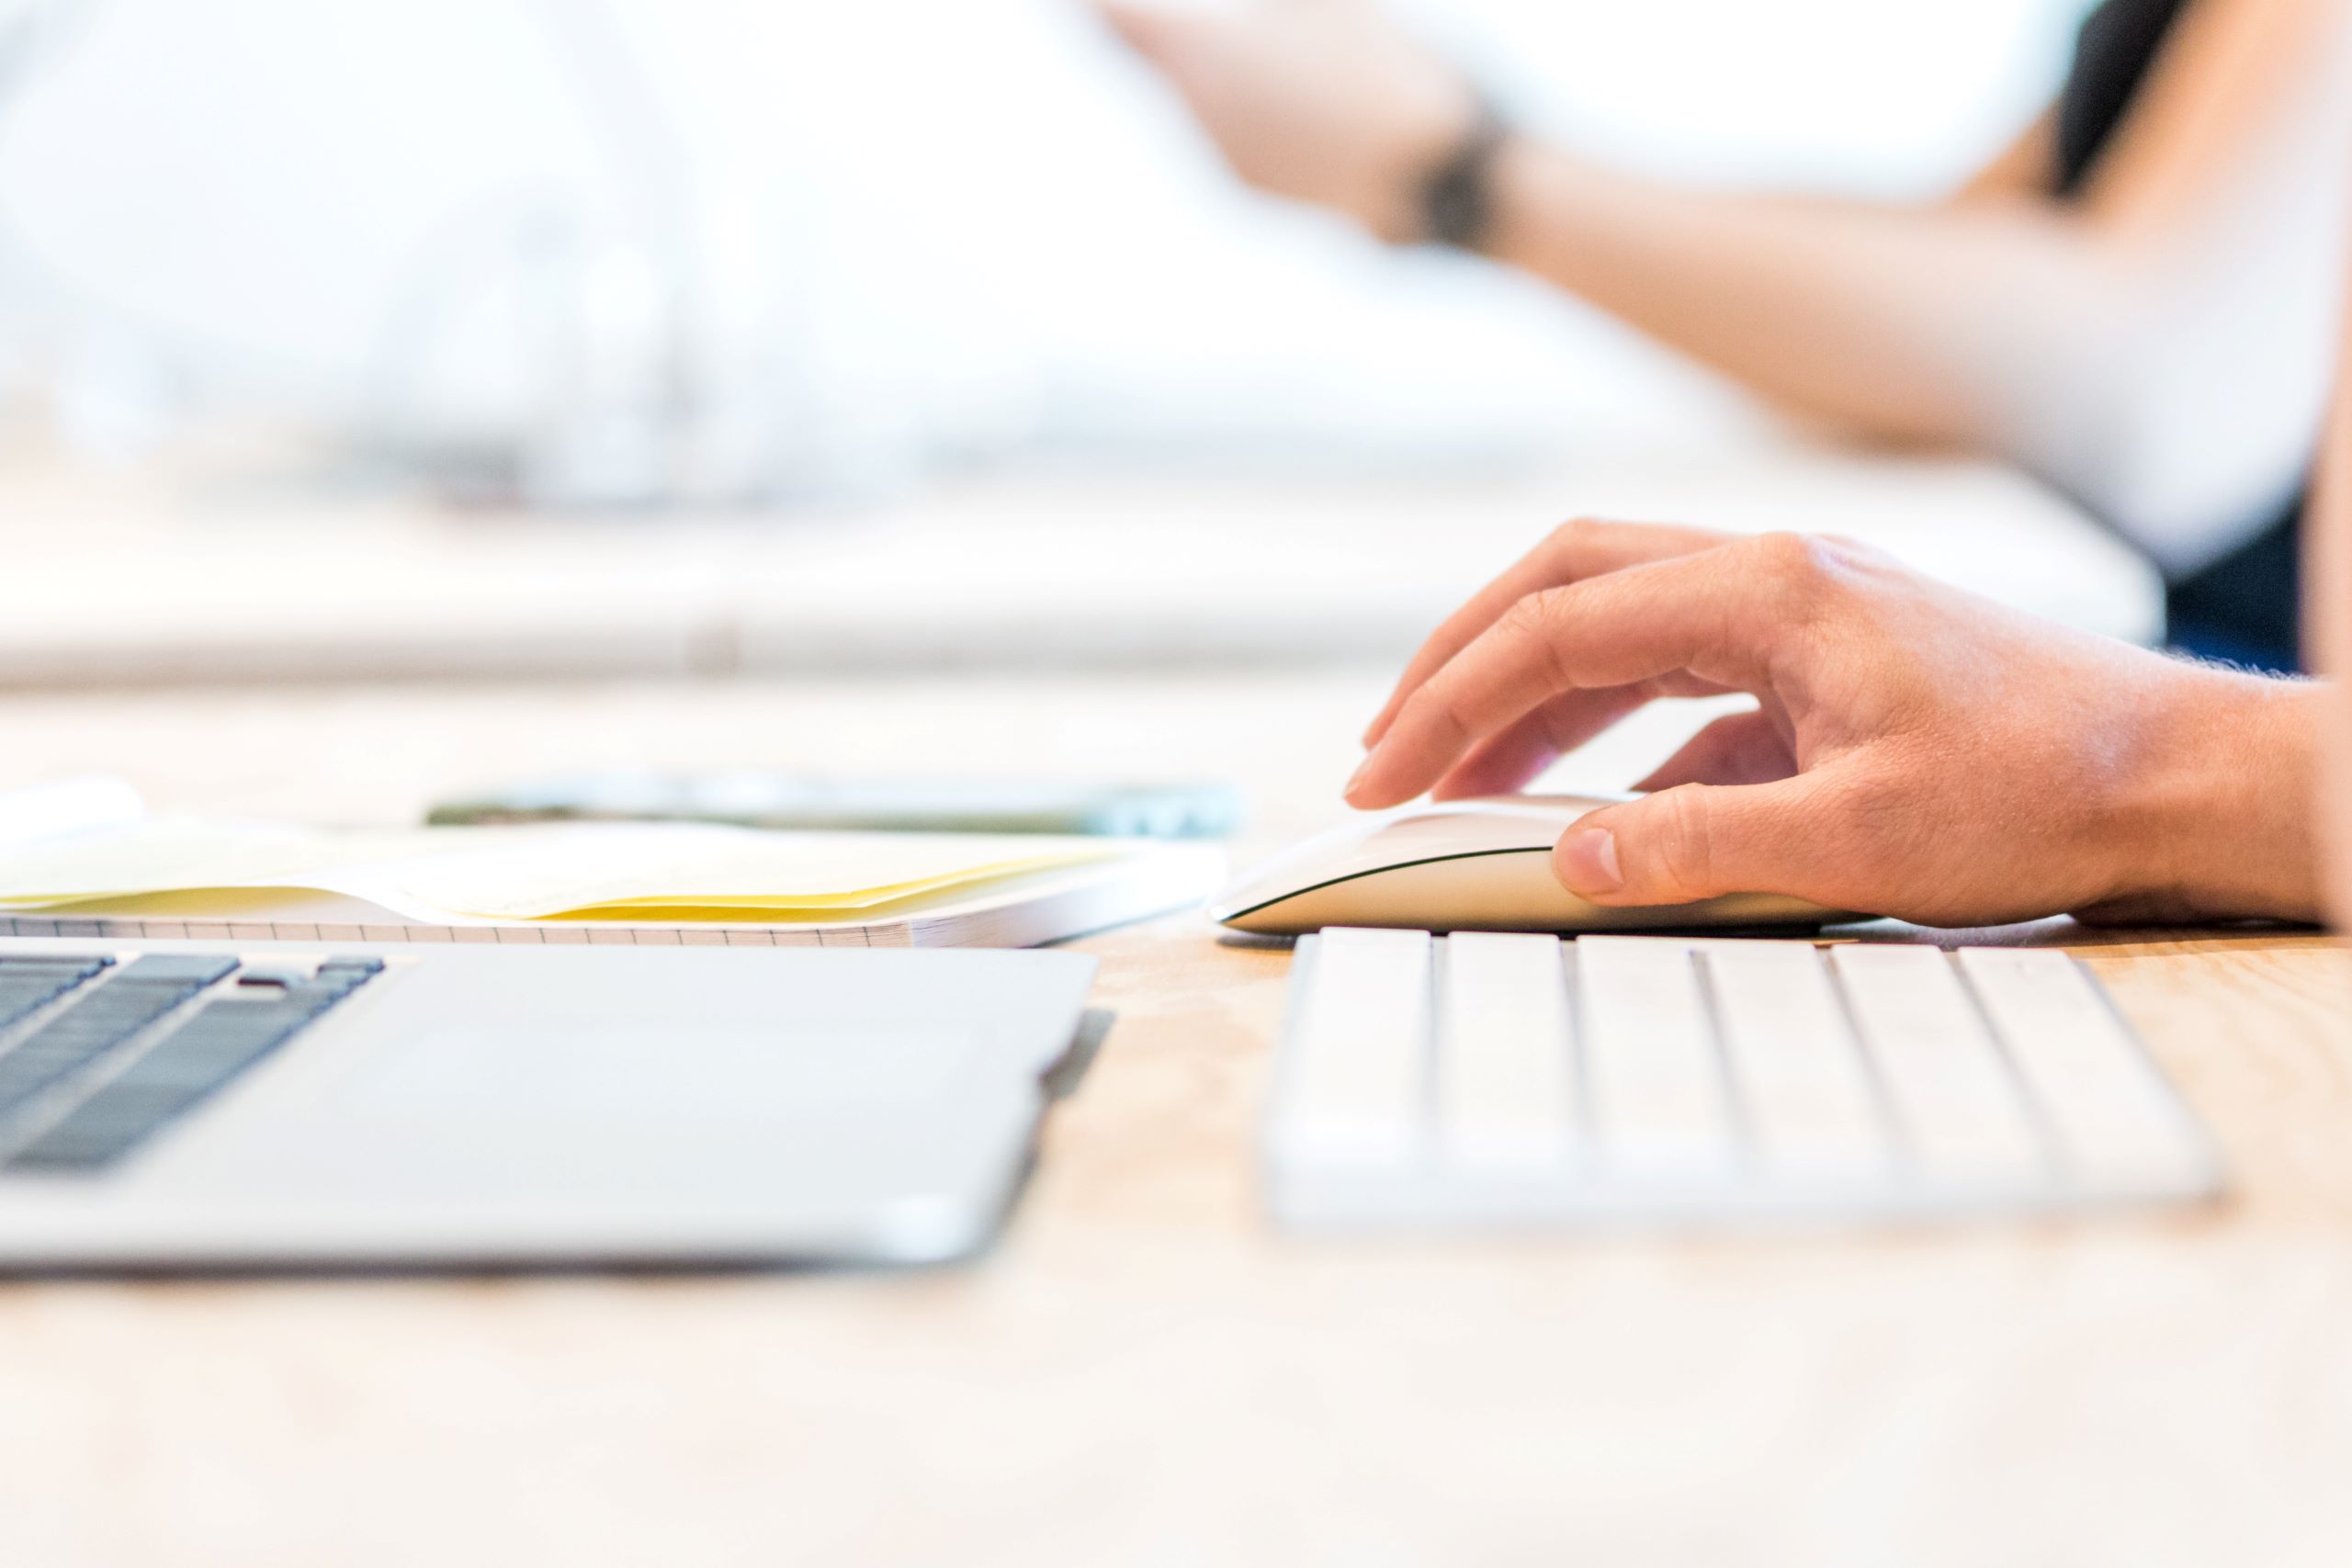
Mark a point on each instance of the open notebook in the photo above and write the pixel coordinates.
(84, 858)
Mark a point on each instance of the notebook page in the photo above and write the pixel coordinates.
(615, 868)
(576, 871)
(167, 855)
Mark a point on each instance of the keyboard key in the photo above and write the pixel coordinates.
(58, 974)
(1655, 1081)
(2118, 1125)
(22, 996)
(85, 965)
(323, 993)
(110, 1012)
(104, 1128)
(1359, 1052)
(95, 1023)
(53, 968)
(1962, 1114)
(193, 969)
(1504, 1077)
(1794, 1062)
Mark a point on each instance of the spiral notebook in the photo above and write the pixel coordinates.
(84, 858)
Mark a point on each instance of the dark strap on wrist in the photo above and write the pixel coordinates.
(1457, 199)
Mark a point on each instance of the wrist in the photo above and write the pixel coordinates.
(1439, 141)
(1455, 197)
(2215, 818)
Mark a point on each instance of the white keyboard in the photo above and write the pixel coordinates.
(1502, 1078)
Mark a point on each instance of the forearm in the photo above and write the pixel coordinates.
(2150, 347)
(1930, 324)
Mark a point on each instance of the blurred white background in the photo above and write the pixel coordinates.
(619, 250)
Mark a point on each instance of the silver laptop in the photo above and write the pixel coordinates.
(170, 1104)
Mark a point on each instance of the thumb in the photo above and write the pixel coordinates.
(1697, 841)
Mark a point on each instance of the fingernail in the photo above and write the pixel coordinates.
(1588, 862)
(1355, 780)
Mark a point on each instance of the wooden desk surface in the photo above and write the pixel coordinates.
(1144, 1372)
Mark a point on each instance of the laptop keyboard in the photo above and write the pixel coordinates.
(1487, 1078)
(96, 1056)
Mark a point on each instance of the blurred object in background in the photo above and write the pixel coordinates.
(605, 252)
(2134, 299)
(930, 803)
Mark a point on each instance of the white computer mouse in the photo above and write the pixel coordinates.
(1483, 864)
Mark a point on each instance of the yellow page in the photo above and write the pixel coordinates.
(614, 867)
(538, 872)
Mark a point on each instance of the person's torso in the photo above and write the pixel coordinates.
(2114, 54)
(2245, 605)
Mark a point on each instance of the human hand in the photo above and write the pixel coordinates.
(1916, 752)
(1319, 100)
